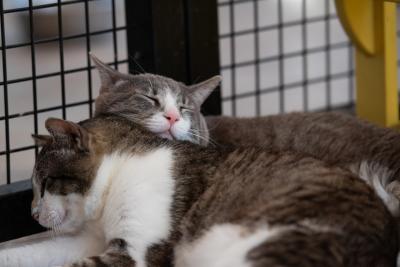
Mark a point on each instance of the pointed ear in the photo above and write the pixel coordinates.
(201, 91)
(70, 131)
(41, 140)
(108, 76)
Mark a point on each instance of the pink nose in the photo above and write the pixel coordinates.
(172, 116)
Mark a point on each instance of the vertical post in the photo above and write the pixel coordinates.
(5, 92)
(376, 76)
(139, 27)
(202, 45)
(156, 37)
(371, 25)
(175, 38)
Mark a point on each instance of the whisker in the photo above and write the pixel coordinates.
(137, 63)
(202, 131)
(210, 141)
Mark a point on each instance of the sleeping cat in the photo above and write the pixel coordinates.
(369, 151)
(167, 108)
(155, 201)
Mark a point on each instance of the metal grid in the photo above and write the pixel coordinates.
(276, 56)
(46, 69)
(283, 55)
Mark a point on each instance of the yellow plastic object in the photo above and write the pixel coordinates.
(371, 26)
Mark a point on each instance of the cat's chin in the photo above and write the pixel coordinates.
(167, 135)
(66, 226)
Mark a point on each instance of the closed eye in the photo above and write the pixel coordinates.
(152, 99)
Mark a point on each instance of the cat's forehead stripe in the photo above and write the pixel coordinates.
(169, 99)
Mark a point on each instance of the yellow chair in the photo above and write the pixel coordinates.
(371, 26)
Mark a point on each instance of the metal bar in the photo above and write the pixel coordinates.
(18, 149)
(305, 65)
(287, 86)
(5, 88)
(35, 7)
(28, 113)
(33, 64)
(61, 51)
(276, 26)
(288, 55)
(233, 66)
(68, 37)
(236, 1)
(280, 58)
(52, 74)
(351, 71)
(87, 28)
(328, 56)
(114, 34)
(257, 61)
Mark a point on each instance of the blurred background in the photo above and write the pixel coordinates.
(275, 56)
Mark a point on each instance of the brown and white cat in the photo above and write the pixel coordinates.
(154, 201)
(166, 107)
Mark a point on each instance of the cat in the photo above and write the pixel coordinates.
(165, 107)
(155, 201)
(339, 139)
(369, 151)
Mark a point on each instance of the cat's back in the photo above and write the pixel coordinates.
(334, 137)
(275, 129)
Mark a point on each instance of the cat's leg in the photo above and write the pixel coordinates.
(116, 255)
(50, 251)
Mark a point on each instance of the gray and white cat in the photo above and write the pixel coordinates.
(167, 108)
(369, 151)
(150, 201)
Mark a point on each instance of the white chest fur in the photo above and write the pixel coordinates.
(133, 195)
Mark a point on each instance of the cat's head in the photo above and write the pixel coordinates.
(63, 174)
(166, 107)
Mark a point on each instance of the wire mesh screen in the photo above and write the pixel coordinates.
(46, 69)
(276, 56)
(283, 55)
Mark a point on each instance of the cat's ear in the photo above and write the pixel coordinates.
(108, 76)
(42, 140)
(67, 130)
(201, 91)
